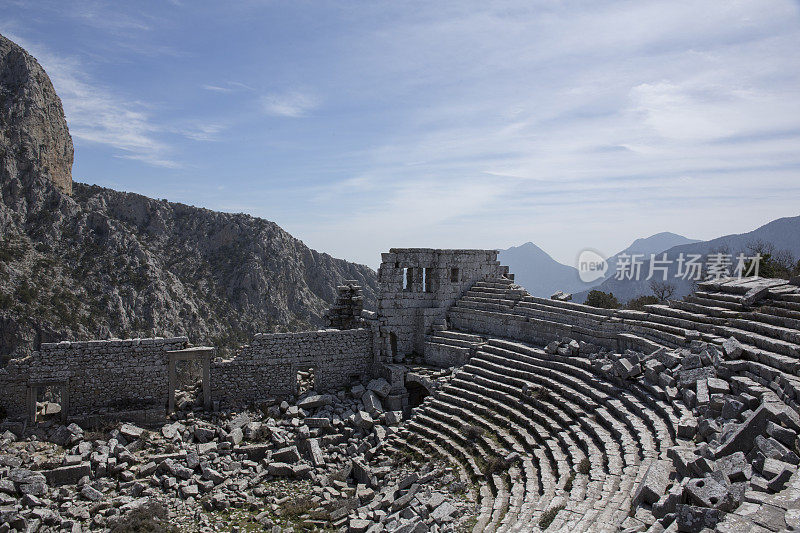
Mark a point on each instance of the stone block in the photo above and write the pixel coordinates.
(693, 519)
(653, 484)
(67, 475)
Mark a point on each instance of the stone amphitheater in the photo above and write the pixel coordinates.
(553, 415)
(681, 417)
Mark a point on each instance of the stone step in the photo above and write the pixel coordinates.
(453, 424)
(566, 420)
(702, 309)
(687, 318)
(594, 468)
(485, 497)
(552, 365)
(494, 283)
(783, 303)
(721, 297)
(568, 313)
(657, 333)
(773, 319)
(793, 297)
(713, 302)
(449, 341)
(773, 309)
(570, 305)
(530, 432)
(760, 341)
(791, 335)
(459, 335)
(479, 302)
(637, 343)
(584, 366)
(549, 445)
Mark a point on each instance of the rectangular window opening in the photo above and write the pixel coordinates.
(453, 275)
(427, 280)
(407, 279)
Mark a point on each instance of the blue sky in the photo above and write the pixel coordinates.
(358, 126)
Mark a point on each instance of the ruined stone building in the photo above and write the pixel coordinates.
(603, 419)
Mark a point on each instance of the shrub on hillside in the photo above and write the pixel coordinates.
(637, 304)
(603, 300)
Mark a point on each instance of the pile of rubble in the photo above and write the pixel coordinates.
(314, 463)
(740, 441)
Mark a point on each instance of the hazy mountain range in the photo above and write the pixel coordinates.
(542, 275)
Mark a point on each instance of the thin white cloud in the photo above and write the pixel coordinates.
(217, 89)
(289, 104)
(227, 87)
(95, 114)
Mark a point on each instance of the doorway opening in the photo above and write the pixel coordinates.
(48, 402)
(189, 376)
(305, 380)
(416, 394)
(188, 384)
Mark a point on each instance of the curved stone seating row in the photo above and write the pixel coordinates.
(582, 416)
(762, 314)
(580, 440)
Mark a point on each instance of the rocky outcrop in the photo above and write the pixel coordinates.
(101, 263)
(34, 139)
(105, 263)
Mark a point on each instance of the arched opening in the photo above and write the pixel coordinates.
(416, 394)
(393, 344)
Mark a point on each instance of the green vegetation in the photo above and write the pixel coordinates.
(637, 304)
(492, 465)
(585, 466)
(603, 300)
(471, 432)
(549, 515)
(774, 263)
(151, 517)
(467, 525)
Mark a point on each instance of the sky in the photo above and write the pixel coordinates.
(360, 126)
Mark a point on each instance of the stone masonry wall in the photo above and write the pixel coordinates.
(437, 279)
(268, 366)
(609, 332)
(99, 375)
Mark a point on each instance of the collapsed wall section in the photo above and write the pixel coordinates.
(268, 367)
(91, 376)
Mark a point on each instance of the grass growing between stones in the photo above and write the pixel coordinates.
(467, 525)
(491, 465)
(585, 466)
(149, 518)
(549, 515)
(570, 480)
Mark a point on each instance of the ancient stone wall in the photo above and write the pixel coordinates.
(268, 366)
(417, 286)
(93, 375)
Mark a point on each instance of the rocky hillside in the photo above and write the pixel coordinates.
(100, 263)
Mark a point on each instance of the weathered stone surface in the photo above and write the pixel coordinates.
(654, 483)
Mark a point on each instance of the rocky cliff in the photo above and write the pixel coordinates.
(34, 139)
(100, 263)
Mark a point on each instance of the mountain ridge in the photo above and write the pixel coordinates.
(542, 275)
(783, 233)
(83, 262)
